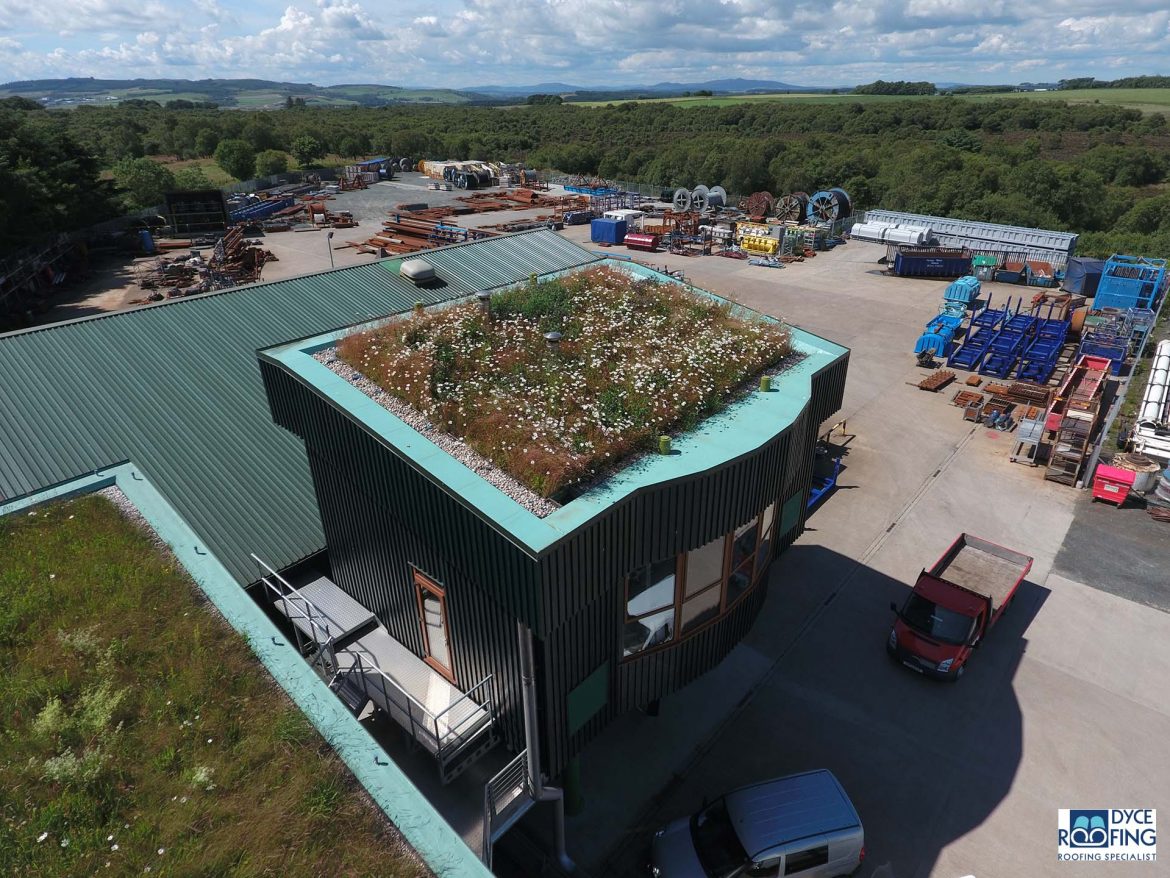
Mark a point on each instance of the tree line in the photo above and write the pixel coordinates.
(1091, 168)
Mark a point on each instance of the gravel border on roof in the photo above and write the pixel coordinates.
(461, 451)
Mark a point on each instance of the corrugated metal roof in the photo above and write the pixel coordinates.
(176, 389)
(952, 232)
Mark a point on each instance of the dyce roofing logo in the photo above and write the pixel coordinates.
(1089, 829)
(1116, 834)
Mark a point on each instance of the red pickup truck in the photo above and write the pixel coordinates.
(953, 606)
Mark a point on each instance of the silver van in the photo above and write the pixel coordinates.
(801, 825)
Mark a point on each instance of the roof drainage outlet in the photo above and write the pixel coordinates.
(417, 270)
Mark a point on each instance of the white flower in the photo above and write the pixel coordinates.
(113, 847)
(43, 835)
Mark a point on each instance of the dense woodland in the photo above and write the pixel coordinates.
(1096, 169)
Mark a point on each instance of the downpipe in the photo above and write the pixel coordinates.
(540, 792)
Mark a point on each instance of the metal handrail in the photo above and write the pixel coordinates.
(293, 597)
(466, 696)
(512, 776)
(432, 720)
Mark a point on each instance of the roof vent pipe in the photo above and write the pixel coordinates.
(485, 302)
(554, 340)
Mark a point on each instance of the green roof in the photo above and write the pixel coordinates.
(176, 389)
(742, 427)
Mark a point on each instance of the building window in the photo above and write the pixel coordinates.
(674, 597)
(432, 612)
(703, 593)
(650, 599)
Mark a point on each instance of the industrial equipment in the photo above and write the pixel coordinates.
(1004, 350)
(792, 208)
(829, 206)
(1151, 435)
(984, 329)
(641, 241)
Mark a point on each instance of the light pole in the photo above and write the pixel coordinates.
(329, 245)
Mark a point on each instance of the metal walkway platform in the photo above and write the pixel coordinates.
(416, 685)
(324, 606)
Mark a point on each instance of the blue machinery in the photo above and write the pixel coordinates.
(940, 331)
(826, 468)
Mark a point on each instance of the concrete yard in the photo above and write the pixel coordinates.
(1063, 707)
(1065, 704)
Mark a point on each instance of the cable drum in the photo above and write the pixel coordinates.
(792, 208)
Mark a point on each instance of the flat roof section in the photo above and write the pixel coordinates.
(742, 427)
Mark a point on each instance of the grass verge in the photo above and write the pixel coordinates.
(637, 359)
(142, 736)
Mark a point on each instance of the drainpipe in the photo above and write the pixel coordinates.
(540, 792)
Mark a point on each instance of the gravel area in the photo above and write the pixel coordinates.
(477, 463)
(130, 512)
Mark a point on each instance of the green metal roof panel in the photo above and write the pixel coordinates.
(176, 388)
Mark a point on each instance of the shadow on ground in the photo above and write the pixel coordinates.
(925, 762)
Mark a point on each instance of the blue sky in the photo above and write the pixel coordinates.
(464, 43)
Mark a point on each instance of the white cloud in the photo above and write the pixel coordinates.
(464, 43)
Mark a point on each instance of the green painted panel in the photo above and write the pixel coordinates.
(588, 698)
(175, 388)
(790, 512)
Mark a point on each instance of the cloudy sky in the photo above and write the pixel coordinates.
(464, 43)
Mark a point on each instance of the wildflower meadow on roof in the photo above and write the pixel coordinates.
(636, 359)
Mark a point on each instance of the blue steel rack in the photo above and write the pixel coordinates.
(1004, 350)
(984, 329)
(1041, 356)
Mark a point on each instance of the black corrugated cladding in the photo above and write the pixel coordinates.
(383, 516)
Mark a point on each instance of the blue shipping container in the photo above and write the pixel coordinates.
(607, 231)
(923, 265)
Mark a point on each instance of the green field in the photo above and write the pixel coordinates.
(1148, 100)
(142, 735)
(246, 94)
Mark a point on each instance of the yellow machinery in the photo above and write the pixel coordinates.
(765, 246)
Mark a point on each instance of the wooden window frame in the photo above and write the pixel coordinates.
(680, 585)
(421, 583)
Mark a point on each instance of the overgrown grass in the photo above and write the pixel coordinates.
(637, 359)
(215, 175)
(141, 735)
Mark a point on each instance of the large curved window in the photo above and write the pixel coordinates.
(674, 597)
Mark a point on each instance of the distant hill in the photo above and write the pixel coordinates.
(243, 93)
(661, 89)
(523, 91)
(734, 86)
(269, 94)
